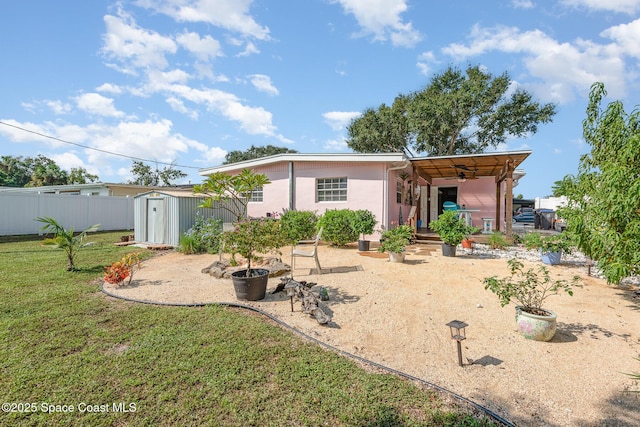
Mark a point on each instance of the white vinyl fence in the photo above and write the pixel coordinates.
(18, 212)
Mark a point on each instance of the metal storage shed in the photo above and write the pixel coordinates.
(161, 217)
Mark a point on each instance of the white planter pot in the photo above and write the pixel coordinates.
(536, 327)
(396, 257)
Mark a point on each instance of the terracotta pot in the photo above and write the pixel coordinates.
(467, 244)
(251, 288)
(536, 327)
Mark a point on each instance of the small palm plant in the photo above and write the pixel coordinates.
(65, 239)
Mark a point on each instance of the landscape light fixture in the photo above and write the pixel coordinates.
(456, 327)
(291, 292)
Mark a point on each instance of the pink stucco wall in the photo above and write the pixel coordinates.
(365, 189)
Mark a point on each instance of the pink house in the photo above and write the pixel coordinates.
(391, 185)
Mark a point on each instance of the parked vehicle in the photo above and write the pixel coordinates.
(528, 217)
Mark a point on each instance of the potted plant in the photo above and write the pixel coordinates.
(551, 246)
(530, 289)
(452, 230)
(363, 221)
(395, 242)
(251, 238)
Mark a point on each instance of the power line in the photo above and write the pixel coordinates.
(93, 148)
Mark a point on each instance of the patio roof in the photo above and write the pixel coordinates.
(498, 165)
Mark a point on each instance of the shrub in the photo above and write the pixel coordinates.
(396, 239)
(337, 227)
(451, 229)
(252, 238)
(117, 272)
(203, 237)
(533, 240)
(363, 221)
(298, 225)
(528, 288)
(497, 240)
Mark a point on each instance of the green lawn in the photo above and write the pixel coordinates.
(62, 342)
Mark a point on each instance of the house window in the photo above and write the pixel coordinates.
(399, 188)
(256, 195)
(331, 189)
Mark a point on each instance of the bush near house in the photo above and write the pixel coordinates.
(203, 237)
(337, 227)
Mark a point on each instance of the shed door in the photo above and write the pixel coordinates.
(155, 220)
(433, 213)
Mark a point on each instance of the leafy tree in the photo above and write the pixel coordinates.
(233, 190)
(39, 171)
(381, 131)
(146, 175)
(15, 171)
(45, 171)
(65, 239)
(81, 176)
(254, 153)
(603, 209)
(457, 113)
(561, 187)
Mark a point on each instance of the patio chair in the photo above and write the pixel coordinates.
(309, 254)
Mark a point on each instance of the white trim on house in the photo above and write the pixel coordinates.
(300, 157)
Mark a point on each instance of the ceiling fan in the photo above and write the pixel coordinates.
(464, 172)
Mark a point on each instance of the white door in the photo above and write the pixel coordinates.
(155, 220)
(433, 213)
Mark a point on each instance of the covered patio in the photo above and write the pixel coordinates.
(459, 169)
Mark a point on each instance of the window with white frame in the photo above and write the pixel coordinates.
(331, 189)
(399, 189)
(256, 195)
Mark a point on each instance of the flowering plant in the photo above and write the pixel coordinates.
(117, 272)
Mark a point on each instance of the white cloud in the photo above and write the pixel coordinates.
(564, 68)
(204, 48)
(177, 105)
(232, 15)
(424, 61)
(250, 49)
(263, 83)
(68, 160)
(622, 6)
(334, 145)
(626, 36)
(522, 4)
(339, 120)
(134, 47)
(109, 88)
(253, 120)
(94, 103)
(381, 18)
(59, 107)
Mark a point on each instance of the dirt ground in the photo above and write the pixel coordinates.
(395, 315)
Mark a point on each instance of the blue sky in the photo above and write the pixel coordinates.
(187, 81)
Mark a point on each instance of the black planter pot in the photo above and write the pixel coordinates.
(363, 245)
(448, 250)
(251, 288)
